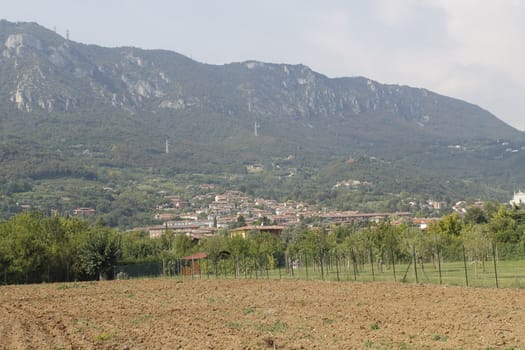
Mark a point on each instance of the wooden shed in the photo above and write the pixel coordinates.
(191, 264)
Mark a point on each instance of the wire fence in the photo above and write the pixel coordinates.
(494, 270)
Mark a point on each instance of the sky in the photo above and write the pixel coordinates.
(467, 49)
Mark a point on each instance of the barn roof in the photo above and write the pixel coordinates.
(196, 256)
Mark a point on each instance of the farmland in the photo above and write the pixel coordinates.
(168, 313)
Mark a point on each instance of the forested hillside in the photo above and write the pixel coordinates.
(75, 119)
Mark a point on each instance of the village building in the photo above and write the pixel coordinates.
(82, 212)
(518, 199)
(245, 231)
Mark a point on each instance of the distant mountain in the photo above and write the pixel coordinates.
(63, 101)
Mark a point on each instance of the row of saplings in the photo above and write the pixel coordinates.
(480, 236)
(35, 248)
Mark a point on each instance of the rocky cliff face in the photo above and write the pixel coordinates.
(41, 72)
(49, 73)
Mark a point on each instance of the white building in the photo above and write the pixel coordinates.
(518, 199)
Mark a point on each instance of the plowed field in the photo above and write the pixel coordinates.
(258, 314)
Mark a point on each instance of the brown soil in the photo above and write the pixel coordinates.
(258, 314)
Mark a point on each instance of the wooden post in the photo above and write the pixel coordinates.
(347, 266)
(337, 267)
(465, 265)
(406, 272)
(321, 261)
(306, 264)
(414, 261)
(494, 260)
(393, 262)
(439, 266)
(354, 262)
(372, 264)
(244, 265)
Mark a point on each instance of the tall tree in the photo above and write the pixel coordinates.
(478, 243)
(504, 226)
(214, 247)
(475, 215)
(239, 249)
(28, 248)
(100, 252)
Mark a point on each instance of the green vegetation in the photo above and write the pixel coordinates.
(234, 325)
(37, 248)
(142, 319)
(248, 310)
(99, 252)
(368, 344)
(104, 336)
(335, 143)
(126, 197)
(276, 327)
(439, 337)
(71, 285)
(452, 250)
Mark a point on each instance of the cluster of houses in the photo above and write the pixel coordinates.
(205, 214)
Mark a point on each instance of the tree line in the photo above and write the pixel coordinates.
(35, 248)
(475, 236)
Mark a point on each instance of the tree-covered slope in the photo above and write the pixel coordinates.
(68, 109)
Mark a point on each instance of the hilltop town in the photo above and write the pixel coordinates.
(206, 214)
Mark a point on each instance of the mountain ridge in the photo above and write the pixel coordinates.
(87, 106)
(133, 79)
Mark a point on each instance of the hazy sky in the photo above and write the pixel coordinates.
(469, 49)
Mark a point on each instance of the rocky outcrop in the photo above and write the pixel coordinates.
(45, 72)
